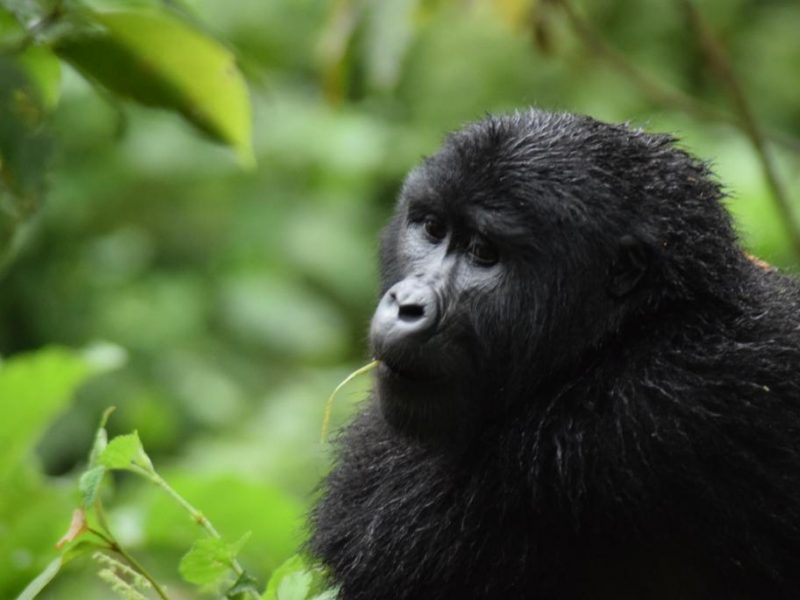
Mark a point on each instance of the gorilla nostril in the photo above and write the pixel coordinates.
(410, 312)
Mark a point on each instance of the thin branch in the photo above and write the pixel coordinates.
(32, 31)
(721, 65)
(656, 91)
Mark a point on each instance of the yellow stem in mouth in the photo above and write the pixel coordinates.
(326, 419)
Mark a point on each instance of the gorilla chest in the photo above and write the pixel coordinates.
(428, 533)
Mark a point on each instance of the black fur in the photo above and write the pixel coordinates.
(631, 420)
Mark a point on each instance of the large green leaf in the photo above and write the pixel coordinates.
(230, 502)
(297, 579)
(34, 388)
(209, 560)
(44, 71)
(157, 60)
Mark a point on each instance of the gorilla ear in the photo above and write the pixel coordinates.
(634, 257)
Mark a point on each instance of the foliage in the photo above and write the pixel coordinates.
(34, 389)
(211, 562)
(296, 579)
(241, 296)
(148, 55)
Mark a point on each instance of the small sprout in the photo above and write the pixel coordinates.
(125, 590)
(101, 437)
(125, 452)
(122, 569)
(326, 419)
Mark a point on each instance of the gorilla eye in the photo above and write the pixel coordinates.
(435, 229)
(483, 252)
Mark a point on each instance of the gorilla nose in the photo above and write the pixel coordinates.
(410, 312)
(408, 309)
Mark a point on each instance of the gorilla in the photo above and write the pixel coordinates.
(586, 389)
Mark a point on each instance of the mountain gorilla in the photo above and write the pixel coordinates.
(586, 389)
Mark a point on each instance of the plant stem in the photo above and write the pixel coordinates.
(652, 88)
(196, 516)
(326, 419)
(115, 547)
(720, 63)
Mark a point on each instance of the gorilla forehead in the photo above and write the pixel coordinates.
(537, 168)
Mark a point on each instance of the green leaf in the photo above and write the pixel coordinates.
(42, 579)
(296, 579)
(157, 60)
(34, 388)
(89, 484)
(44, 71)
(230, 501)
(236, 547)
(206, 562)
(209, 560)
(295, 586)
(243, 585)
(125, 451)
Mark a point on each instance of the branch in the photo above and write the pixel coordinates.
(721, 65)
(653, 89)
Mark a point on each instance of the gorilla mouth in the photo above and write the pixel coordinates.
(393, 370)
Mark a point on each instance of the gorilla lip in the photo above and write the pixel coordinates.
(393, 370)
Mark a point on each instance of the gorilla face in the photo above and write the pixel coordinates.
(484, 295)
(426, 328)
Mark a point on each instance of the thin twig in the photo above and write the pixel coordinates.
(32, 32)
(721, 65)
(656, 91)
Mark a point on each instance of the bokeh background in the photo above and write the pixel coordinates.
(242, 297)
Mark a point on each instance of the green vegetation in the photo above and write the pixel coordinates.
(190, 197)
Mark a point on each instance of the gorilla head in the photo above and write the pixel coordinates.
(519, 248)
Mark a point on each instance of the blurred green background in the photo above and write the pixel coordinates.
(242, 297)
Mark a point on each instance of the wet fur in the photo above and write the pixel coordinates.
(640, 449)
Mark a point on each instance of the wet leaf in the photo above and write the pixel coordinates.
(157, 60)
(125, 451)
